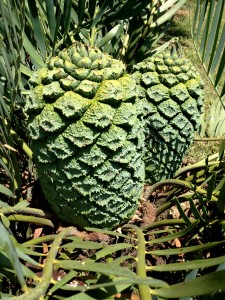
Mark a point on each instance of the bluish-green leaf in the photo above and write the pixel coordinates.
(7, 244)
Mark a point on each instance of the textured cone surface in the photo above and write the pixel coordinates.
(172, 95)
(87, 137)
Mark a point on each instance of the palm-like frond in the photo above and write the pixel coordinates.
(126, 29)
(209, 40)
(12, 24)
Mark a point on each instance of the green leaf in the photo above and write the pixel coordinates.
(50, 10)
(184, 250)
(7, 244)
(117, 261)
(5, 296)
(81, 10)
(173, 236)
(220, 185)
(217, 53)
(92, 8)
(79, 244)
(103, 268)
(117, 288)
(221, 199)
(105, 289)
(108, 37)
(205, 32)
(205, 285)
(209, 40)
(36, 58)
(111, 249)
(40, 240)
(8, 26)
(189, 265)
(221, 150)
(118, 281)
(214, 33)
(29, 251)
(220, 69)
(5, 221)
(68, 277)
(99, 14)
(182, 213)
(216, 118)
(109, 232)
(108, 269)
(81, 296)
(4, 190)
(22, 255)
(21, 204)
(5, 112)
(211, 186)
(37, 27)
(25, 70)
(3, 204)
(129, 9)
(67, 15)
(5, 167)
(169, 14)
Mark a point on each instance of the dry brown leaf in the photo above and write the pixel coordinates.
(177, 243)
(45, 248)
(37, 232)
(9, 147)
(135, 296)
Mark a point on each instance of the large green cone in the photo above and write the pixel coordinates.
(87, 137)
(172, 95)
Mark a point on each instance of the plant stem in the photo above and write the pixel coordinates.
(40, 290)
(212, 165)
(179, 183)
(144, 290)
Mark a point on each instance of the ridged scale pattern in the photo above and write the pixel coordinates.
(87, 137)
(172, 95)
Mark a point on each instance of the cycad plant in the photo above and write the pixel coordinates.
(34, 34)
(85, 110)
